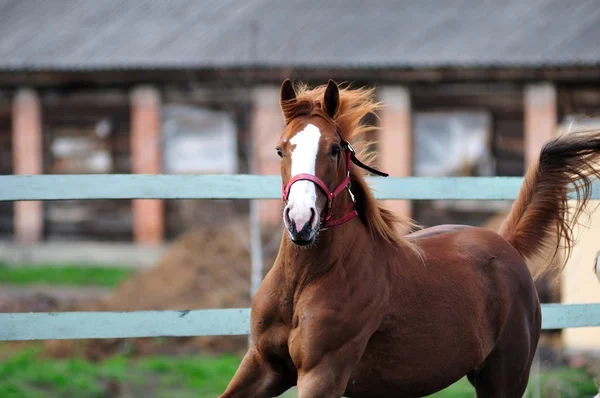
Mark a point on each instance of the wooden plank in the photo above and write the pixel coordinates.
(446, 188)
(136, 186)
(95, 325)
(559, 316)
(225, 322)
(120, 186)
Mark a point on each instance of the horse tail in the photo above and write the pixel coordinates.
(540, 218)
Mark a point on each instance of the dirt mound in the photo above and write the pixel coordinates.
(205, 268)
(35, 303)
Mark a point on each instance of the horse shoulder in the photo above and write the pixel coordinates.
(270, 319)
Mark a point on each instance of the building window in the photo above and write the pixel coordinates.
(454, 144)
(198, 140)
(87, 133)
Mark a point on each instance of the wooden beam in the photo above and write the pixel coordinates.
(213, 322)
(119, 186)
(274, 75)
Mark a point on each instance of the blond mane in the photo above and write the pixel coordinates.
(354, 106)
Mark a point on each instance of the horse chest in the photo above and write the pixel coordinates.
(271, 328)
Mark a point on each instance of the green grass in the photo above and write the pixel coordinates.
(25, 374)
(64, 275)
(563, 383)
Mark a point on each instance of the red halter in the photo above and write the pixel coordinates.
(326, 217)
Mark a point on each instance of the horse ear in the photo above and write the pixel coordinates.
(287, 92)
(332, 98)
(286, 95)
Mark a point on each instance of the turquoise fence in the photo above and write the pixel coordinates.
(221, 322)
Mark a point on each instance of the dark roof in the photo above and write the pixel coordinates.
(140, 34)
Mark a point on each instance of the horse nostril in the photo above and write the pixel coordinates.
(313, 214)
(286, 215)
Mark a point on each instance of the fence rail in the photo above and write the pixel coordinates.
(84, 325)
(224, 322)
(129, 186)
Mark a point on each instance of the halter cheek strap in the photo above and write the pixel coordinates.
(326, 217)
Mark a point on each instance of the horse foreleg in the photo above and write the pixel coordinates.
(255, 378)
(329, 378)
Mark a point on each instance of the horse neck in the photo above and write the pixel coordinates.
(338, 248)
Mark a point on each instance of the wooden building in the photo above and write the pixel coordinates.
(145, 86)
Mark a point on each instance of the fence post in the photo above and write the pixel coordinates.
(146, 144)
(395, 139)
(266, 127)
(27, 160)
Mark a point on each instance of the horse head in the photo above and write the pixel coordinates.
(313, 161)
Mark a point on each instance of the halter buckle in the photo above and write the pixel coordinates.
(349, 147)
(348, 187)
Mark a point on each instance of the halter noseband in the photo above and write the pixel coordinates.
(326, 216)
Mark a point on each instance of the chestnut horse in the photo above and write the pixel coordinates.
(352, 308)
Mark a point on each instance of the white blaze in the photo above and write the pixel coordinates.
(303, 194)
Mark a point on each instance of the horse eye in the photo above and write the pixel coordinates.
(335, 150)
(279, 153)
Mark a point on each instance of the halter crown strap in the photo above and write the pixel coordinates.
(357, 162)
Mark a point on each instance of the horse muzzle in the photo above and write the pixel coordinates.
(302, 222)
